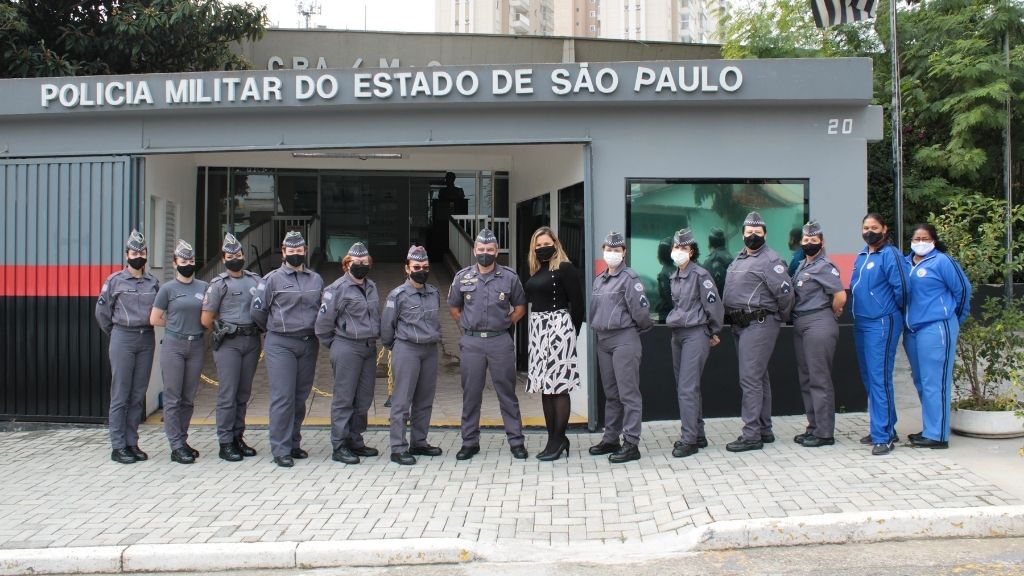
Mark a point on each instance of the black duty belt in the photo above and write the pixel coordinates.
(303, 337)
(484, 334)
(244, 330)
(743, 318)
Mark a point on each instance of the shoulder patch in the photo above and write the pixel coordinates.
(712, 298)
(323, 308)
(708, 284)
(638, 287)
(786, 287)
(835, 272)
(779, 268)
(328, 295)
(261, 286)
(199, 295)
(643, 301)
(104, 288)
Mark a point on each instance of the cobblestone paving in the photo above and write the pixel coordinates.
(61, 489)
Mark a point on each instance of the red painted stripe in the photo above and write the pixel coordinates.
(50, 280)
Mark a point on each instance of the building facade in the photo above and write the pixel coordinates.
(640, 145)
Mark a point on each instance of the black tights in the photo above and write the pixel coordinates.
(556, 418)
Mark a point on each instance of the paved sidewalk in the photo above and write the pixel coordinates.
(61, 490)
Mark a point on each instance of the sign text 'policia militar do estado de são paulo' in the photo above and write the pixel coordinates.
(406, 84)
(762, 82)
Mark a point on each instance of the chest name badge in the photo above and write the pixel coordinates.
(501, 297)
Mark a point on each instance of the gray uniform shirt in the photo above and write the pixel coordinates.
(759, 281)
(349, 310)
(695, 300)
(126, 301)
(231, 298)
(286, 301)
(410, 314)
(183, 304)
(619, 302)
(486, 300)
(814, 284)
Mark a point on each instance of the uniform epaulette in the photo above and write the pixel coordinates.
(250, 273)
(222, 277)
(397, 290)
(463, 272)
(631, 273)
(506, 268)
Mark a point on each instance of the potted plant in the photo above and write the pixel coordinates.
(988, 377)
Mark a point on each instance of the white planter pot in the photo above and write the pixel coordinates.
(985, 424)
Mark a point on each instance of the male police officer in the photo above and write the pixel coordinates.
(227, 310)
(122, 311)
(486, 299)
(285, 305)
(758, 299)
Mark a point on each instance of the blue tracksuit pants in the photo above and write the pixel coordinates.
(931, 350)
(877, 340)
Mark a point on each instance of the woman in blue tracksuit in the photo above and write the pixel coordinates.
(940, 300)
(879, 293)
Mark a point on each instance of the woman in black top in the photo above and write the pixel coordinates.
(556, 305)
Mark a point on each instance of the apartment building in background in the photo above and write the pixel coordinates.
(696, 21)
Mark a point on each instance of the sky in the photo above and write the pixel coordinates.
(390, 15)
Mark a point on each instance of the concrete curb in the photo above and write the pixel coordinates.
(990, 522)
(853, 527)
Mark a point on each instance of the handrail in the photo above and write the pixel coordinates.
(259, 260)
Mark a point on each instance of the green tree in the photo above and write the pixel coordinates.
(955, 81)
(75, 37)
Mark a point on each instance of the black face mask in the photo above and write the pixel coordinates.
(234, 265)
(485, 260)
(872, 237)
(419, 276)
(187, 270)
(137, 263)
(545, 253)
(295, 260)
(359, 271)
(811, 249)
(753, 241)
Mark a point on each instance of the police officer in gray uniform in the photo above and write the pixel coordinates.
(122, 311)
(178, 307)
(227, 310)
(619, 313)
(820, 298)
(285, 306)
(410, 328)
(486, 299)
(758, 299)
(696, 320)
(348, 325)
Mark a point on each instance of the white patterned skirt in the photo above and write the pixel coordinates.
(553, 368)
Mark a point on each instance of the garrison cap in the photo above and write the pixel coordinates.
(231, 244)
(136, 241)
(358, 250)
(684, 237)
(812, 229)
(417, 254)
(615, 240)
(293, 239)
(184, 250)
(486, 236)
(754, 219)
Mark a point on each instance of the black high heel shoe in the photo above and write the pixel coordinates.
(552, 456)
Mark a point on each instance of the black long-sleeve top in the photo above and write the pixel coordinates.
(547, 291)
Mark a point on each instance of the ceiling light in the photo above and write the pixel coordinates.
(358, 155)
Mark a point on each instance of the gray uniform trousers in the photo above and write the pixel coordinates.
(181, 363)
(618, 359)
(131, 363)
(498, 355)
(415, 372)
(236, 365)
(690, 350)
(355, 373)
(814, 337)
(291, 365)
(754, 346)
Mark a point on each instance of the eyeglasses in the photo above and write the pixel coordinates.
(420, 268)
